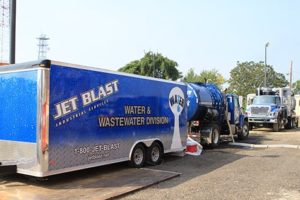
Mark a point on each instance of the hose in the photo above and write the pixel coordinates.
(290, 146)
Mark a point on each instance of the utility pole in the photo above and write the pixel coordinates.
(291, 75)
(12, 25)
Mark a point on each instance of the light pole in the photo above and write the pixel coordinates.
(265, 80)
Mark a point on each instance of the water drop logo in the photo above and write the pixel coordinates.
(176, 103)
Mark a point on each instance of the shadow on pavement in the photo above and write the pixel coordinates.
(210, 160)
(98, 183)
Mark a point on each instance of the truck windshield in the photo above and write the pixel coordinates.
(264, 100)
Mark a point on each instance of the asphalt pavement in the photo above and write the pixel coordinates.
(227, 172)
(231, 173)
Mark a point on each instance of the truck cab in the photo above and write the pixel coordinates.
(272, 107)
(236, 118)
(234, 108)
(265, 110)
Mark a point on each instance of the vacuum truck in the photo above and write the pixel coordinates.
(212, 113)
(273, 108)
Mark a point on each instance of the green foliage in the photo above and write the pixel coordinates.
(296, 87)
(247, 76)
(191, 76)
(153, 65)
(211, 76)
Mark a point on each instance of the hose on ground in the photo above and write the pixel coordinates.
(290, 146)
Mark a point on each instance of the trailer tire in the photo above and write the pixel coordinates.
(138, 156)
(155, 154)
(244, 132)
(215, 136)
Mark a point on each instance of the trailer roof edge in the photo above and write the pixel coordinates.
(47, 65)
(26, 65)
(99, 69)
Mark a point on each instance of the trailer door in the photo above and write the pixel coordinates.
(18, 115)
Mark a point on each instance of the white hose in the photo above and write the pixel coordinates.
(265, 145)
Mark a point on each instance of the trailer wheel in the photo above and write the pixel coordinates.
(155, 154)
(244, 132)
(215, 136)
(138, 156)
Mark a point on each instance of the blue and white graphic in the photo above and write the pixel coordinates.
(176, 103)
(97, 116)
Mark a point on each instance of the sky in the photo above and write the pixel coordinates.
(199, 34)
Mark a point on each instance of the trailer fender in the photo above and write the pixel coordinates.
(147, 143)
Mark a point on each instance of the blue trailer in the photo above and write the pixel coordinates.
(57, 117)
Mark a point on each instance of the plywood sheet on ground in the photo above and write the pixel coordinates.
(103, 184)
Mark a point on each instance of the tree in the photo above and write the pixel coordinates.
(211, 76)
(296, 87)
(191, 76)
(153, 65)
(247, 76)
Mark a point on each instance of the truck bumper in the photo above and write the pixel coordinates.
(262, 120)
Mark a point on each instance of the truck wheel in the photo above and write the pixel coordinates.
(250, 127)
(138, 156)
(289, 124)
(215, 136)
(276, 127)
(293, 123)
(155, 154)
(244, 132)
